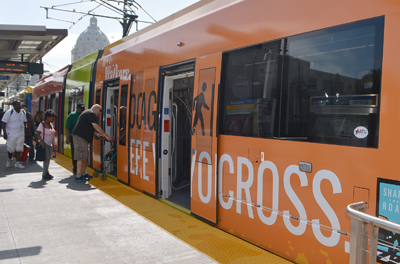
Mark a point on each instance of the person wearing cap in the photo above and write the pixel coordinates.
(14, 132)
(29, 132)
(83, 134)
(69, 127)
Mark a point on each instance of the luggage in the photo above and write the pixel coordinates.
(25, 153)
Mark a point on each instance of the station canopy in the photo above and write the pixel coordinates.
(22, 48)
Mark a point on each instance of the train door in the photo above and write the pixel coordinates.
(142, 130)
(122, 149)
(175, 163)
(204, 138)
(110, 109)
(96, 153)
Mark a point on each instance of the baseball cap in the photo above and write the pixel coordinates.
(81, 106)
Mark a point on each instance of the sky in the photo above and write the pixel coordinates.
(29, 12)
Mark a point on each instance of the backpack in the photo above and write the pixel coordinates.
(12, 110)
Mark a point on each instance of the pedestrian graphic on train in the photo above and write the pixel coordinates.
(45, 134)
(14, 132)
(29, 132)
(201, 101)
(82, 134)
(69, 127)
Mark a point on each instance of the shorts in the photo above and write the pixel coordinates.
(81, 147)
(15, 144)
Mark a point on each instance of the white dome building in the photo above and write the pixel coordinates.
(90, 40)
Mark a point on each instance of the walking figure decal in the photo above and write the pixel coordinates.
(201, 101)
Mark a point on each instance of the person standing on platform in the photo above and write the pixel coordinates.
(14, 132)
(83, 135)
(29, 132)
(46, 140)
(69, 127)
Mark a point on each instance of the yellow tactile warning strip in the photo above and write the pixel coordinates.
(213, 242)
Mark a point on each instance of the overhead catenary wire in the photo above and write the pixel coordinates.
(82, 1)
(126, 15)
(79, 19)
(54, 68)
(144, 10)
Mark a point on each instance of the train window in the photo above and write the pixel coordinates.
(54, 107)
(251, 81)
(75, 96)
(41, 108)
(122, 114)
(333, 84)
(323, 87)
(70, 104)
(98, 96)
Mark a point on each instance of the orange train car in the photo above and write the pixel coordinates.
(265, 119)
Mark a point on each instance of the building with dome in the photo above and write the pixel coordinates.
(90, 40)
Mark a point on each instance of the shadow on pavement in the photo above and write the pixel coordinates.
(6, 190)
(19, 252)
(77, 186)
(38, 184)
(29, 167)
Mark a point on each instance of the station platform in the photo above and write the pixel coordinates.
(62, 221)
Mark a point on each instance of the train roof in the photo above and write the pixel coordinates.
(170, 22)
(53, 77)
(90, 58)
(230, 24)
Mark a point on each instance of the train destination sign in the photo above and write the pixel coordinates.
(21, 67)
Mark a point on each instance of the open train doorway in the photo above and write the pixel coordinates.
(176, 138)
(110, 114)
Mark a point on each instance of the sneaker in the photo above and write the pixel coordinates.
(47, 177)
(19, 165)
(87, 176)
(9, 163)
(81, 179)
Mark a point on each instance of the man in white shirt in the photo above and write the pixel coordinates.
(13, 123)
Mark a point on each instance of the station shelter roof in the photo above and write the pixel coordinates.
(26, 43)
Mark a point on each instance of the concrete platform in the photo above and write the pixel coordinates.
(61, 221)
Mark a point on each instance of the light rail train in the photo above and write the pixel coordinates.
(265, 119)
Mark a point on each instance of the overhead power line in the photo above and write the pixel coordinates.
(54, 68)
(126, 16)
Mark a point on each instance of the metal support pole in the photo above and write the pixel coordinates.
(362, 239)
(373, 244)
(353, 242)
